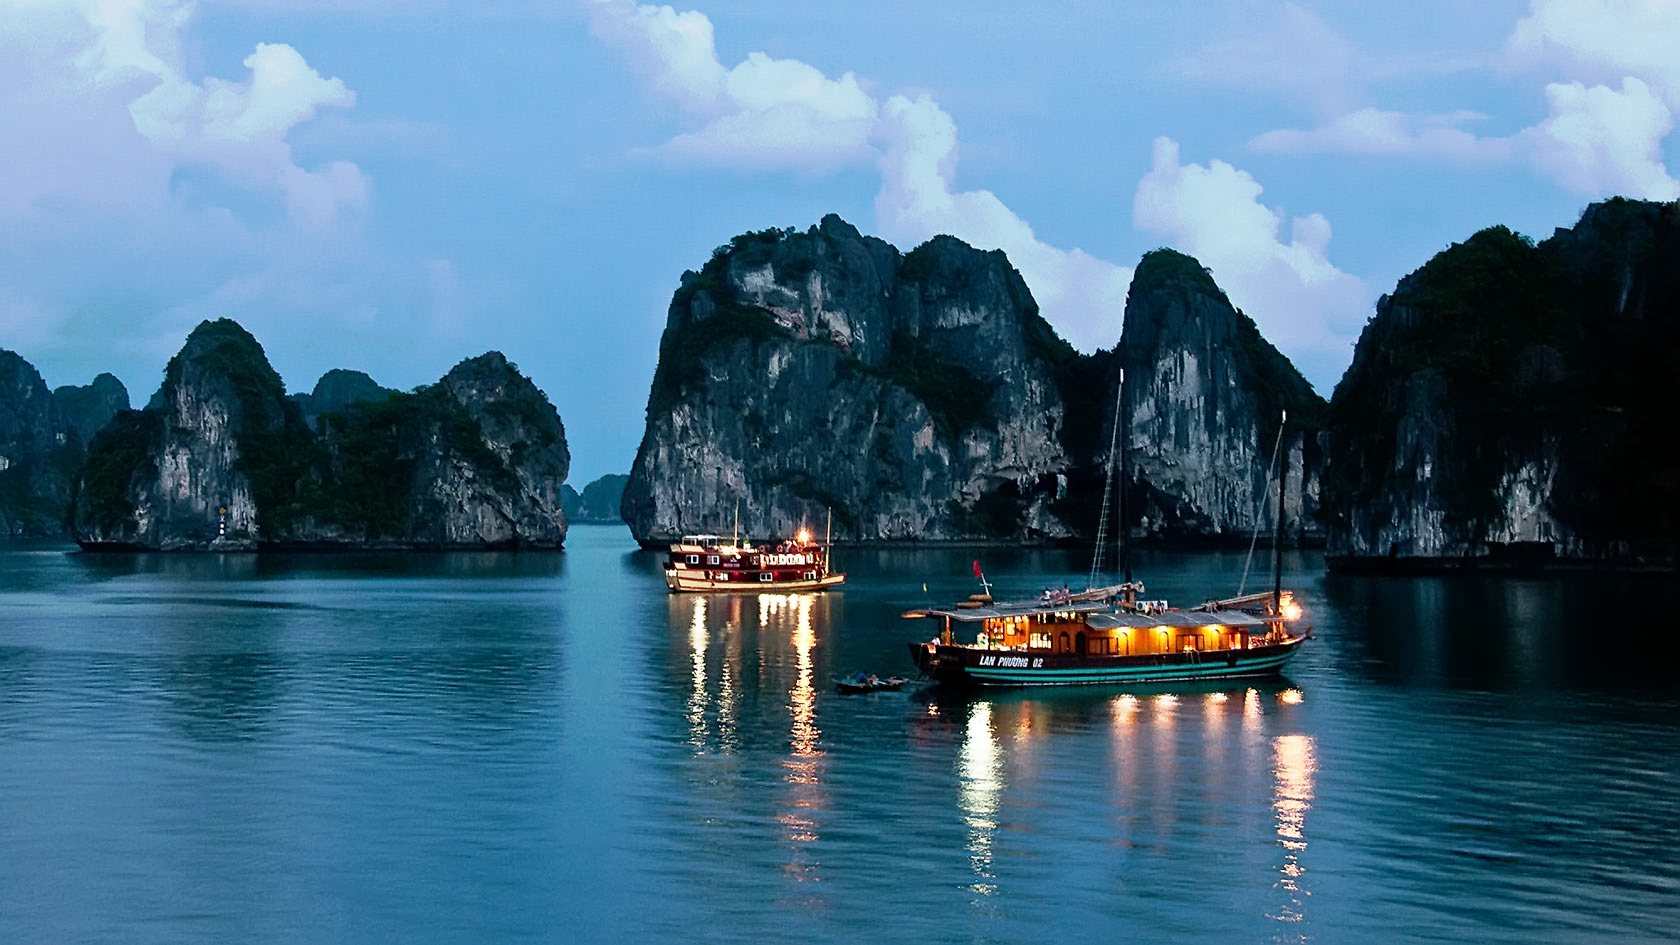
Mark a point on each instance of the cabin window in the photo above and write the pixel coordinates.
(712, 560)
(1039, 641)
(765, 576)
(693, 559)
(810, 575)
(1099, 646)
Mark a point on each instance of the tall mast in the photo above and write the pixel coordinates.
(1108, 488)
(1120, 481)
(735, 538)
(1277, 540)
(828, 543)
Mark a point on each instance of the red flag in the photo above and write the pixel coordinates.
(977, 573)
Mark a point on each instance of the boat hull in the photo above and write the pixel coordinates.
(685, 582)
(976, 666)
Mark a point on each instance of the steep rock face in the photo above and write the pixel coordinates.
(187, 474)
(1204, 395)
(86, 409)
(913, 395)
(1509, 399)
(475, 460)
(38, 454)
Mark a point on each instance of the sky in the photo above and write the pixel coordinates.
(396, 186)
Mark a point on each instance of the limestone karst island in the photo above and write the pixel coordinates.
(1501, 409)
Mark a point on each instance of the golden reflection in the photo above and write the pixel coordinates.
(803, 766)
(981, 769)
(697, 640)
(1290, 696)
(1294, 766)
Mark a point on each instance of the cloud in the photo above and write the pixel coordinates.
(1299, 299)
(85, 58)
(763, 113)
(1083, 296)
(1294, 52)
(782, 114)
(1603, 41)
(1601, 141)
(1374, 131)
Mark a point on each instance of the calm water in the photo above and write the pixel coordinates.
(504, 748)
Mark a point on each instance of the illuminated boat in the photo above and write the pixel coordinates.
(720, 564)
(1107, 635)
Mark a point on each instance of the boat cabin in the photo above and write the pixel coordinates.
(1094, 629)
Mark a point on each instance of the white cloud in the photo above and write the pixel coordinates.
(1603, 41)
(763, 112)
(1300, 300)
(76, 60)
(1603, 142)
(784, 114)
(1081, 295)
(1374, 131)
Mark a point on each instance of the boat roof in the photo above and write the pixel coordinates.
(1010, 609)
(1124, 620)
(1101, 617)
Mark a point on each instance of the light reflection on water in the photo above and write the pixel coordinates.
(980, 768)
(1294, 767)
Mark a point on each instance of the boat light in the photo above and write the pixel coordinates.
(804, 537)
(1290, 609)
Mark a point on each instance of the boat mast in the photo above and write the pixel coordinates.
(1277, 540)
(735, 538)
(828, 543)
(1125, 547)
(1108, 490)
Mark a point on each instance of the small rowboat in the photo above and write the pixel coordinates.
(868, 682)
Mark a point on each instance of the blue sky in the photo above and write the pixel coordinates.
(393, 186)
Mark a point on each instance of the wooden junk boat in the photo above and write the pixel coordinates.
(1108, 634)
(721, 564)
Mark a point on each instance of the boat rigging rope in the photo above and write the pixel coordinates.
(1108, 488)
(1260, 506)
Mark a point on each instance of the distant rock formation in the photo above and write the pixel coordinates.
(598, 503)
(921, 396)
(86, 409)
(42, 439)
(1204, 395)
(229, 463)
(1513, 403)
(339, 390)
(37, 455)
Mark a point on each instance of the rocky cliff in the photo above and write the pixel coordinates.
(38, 455)
(921, 396)
(43, 437)
(1512, 401)
(1204, 396)
(806, 372)
(228, 462)
(339, 390)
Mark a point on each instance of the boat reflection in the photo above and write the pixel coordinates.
(803, 767)
(1294, 767)
(980, 768)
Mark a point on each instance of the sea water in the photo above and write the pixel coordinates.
(549, 747)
